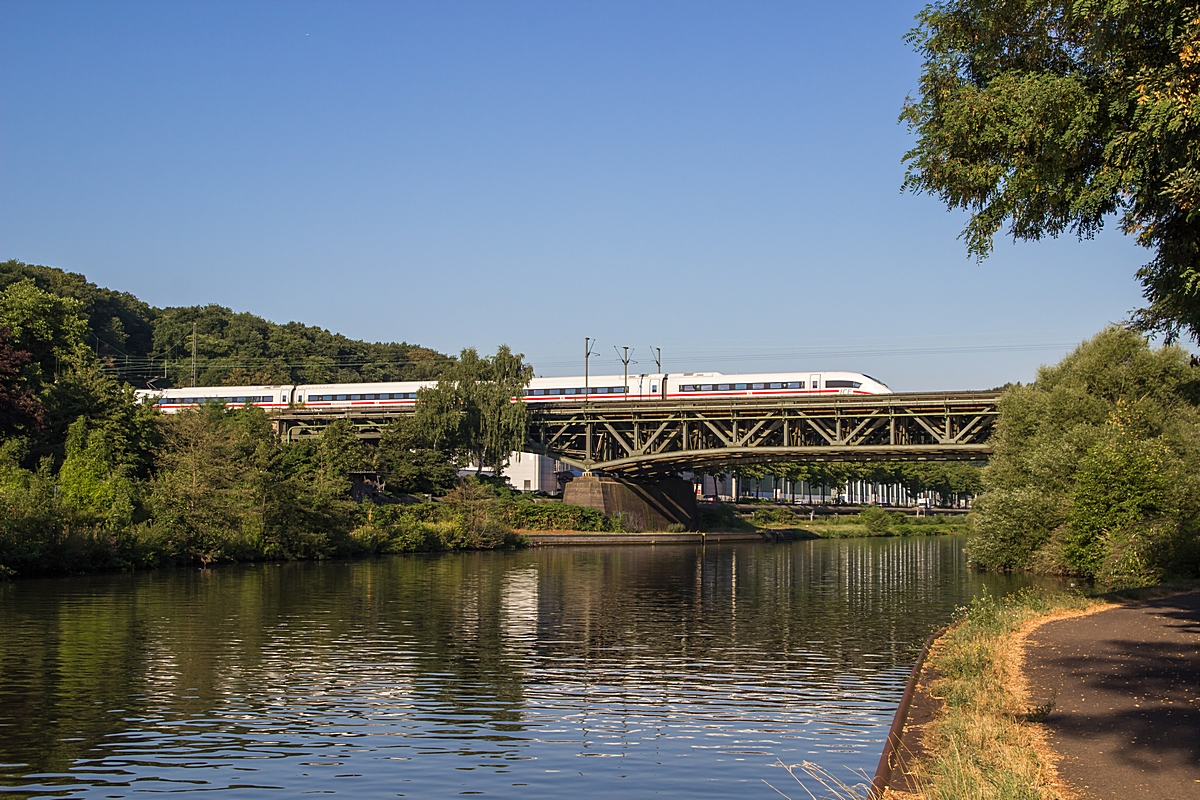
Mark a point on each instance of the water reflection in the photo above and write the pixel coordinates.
(643, 670)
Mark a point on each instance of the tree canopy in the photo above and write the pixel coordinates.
(1050, 116)
(471, 412)
(142, 345)
(1096, 468)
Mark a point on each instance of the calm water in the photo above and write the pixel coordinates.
(646, 671)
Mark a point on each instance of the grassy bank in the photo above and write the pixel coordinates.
(873, 521)
(985, 743)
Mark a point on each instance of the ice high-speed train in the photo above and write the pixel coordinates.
(687, 385)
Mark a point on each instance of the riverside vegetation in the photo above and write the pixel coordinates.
(91, 479)
(1096, 468)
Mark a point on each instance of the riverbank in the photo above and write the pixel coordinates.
(978, 726)
(550, 538)
(975, 736)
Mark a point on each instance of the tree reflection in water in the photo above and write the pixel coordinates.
(519, 674)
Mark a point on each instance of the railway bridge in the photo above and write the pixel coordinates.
(649, 439)
(630, 451)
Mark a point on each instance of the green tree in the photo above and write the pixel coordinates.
(1050, 115)
(471, 411)
(413, 465)
(1096, 466)
(339, 451)
(95, 481)
(198, 495)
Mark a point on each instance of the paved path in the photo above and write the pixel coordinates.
(1126, 690)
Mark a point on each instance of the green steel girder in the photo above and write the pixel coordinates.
(632, 438)
(644, 438)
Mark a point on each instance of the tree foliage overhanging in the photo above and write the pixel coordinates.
(1050, 115)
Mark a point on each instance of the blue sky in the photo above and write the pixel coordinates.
(721, 180)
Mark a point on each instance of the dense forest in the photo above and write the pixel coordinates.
(146, 346)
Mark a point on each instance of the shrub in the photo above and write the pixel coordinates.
(774, 516)
(722, 517)
(877, 521)
(1096, 467)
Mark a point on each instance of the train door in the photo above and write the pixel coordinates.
(814, 381)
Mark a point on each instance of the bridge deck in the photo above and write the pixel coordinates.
(662, 436)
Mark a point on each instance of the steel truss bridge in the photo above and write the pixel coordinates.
(649, 438)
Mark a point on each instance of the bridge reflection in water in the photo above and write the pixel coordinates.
(637, 671)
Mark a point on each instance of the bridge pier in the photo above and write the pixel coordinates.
(647, 505)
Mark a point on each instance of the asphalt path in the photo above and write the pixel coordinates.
(1124, 690)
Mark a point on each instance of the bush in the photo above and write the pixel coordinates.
(1096, 467)
(722, 517)
(774, 516)
(877, 521)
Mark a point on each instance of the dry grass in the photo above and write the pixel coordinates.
(832, 788)
(985, 745)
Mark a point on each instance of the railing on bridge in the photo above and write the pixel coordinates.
(660, 437)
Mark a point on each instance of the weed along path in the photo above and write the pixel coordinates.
(1123, 689)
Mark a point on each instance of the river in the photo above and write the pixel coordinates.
(639, 671)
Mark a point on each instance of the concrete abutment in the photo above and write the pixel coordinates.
(648, 506)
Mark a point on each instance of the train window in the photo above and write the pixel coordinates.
(654, 387)
(368, 397)
(621, 389)
(758, 386)
(722, 387)
(795, 384)
(706, 387)
(739, 386)
(340, 397)
(356, 397)
(568, 391)
(836, 384)
(600, 390)
(776, 385)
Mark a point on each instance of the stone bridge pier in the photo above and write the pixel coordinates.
(647, 504)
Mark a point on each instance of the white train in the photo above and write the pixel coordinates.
(693, 385)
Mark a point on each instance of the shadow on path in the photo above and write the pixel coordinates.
(1124, 685)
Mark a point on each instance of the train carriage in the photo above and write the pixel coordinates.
(597, 388)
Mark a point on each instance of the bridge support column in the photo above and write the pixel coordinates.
(648, 506)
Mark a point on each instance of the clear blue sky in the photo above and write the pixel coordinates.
(721, 180)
